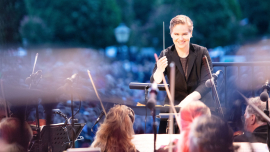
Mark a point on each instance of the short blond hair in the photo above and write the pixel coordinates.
(181, 19)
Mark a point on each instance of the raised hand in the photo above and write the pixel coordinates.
(162, 64)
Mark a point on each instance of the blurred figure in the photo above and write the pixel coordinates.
(255, 125)
(115, 134)
(210, 134)
(188, 113)
(16, 134)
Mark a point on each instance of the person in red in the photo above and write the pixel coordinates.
(191, 72)
(188, 113)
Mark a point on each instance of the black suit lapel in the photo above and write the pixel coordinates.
(191, 59)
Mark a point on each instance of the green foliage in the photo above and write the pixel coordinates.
(258, 13)
(34, 30)
(127, 13)
(11, 13)
(92, 22)
(214, 22)
(142, 9)
(79, 22)
(212, 27)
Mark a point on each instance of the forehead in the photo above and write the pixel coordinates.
(180, 28)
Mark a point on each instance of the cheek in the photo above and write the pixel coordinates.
(187, 38)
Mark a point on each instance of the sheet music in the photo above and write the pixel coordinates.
(245, 147)
(145, 143)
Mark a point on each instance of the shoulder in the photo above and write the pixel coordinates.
(199, 50)
(169, 49)
(197, 47)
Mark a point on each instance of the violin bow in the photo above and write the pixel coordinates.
(90, 77)
(169, 95)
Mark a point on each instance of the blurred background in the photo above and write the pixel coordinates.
(116, 41)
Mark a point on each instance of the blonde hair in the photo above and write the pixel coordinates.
(181, 19)
(116, 132)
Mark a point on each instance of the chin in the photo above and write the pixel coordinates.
(181, 46)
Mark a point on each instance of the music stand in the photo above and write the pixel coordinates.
(145, 87)
(55, 139)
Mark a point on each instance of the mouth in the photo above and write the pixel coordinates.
(181, 42)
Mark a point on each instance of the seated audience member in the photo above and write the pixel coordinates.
(255, 125)
(12, 134)
(116, 132)
(187, 114)
(210, 134)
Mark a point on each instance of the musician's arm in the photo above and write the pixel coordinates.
(194, 96)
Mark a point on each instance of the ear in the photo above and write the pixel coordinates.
(253, 119)
(191, 34)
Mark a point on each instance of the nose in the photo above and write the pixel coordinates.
(181, 37)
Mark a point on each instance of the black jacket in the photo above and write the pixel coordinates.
(258, 135)
(197, 72)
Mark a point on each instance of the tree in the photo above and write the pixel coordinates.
(214, 22)
(84, 22)
(11, 13)
(258, 13)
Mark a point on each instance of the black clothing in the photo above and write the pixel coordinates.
(184, 65)
(197, 73)
(258, 135)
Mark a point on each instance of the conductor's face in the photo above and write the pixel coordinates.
(181, 36)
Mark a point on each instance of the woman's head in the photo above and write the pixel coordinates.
(183, 20)
(12, 130)
(116, 132)
(192, 110)
(181, 28)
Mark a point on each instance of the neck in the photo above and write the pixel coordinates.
(258, 125)
(183, 52)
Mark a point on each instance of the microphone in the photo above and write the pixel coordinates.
(68, 82)
(264, 95)
(98, 119)
(33, 77)
(72, 79)
(210, 82)
(151, 103)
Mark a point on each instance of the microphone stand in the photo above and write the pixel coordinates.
(72, 117)
(145, 87)
(145, 93)
(153, 112)
(266, 88)
(32, 79)
(214, 90)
